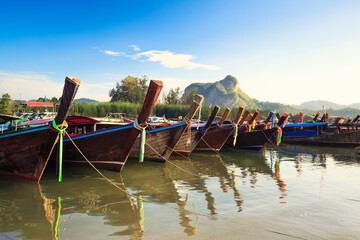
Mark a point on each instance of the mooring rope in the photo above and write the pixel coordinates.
(119, 188)
(60, 130)
(47, 159)
(148, 201)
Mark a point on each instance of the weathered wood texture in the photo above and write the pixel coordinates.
(110, 148)
(225, 115)
(161, 142)
(25, 152)
(251, 139)
(216, 136)
(184, 149)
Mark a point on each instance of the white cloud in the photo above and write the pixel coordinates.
(172, 60)
(112, 53)
(135, 48)
(33, 85)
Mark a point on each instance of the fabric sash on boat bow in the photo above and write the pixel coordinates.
(60, 129)
(142, 139)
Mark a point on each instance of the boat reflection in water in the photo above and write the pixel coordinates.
(179, 198)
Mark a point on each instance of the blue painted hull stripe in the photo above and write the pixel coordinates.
(165, 128)
(24, 132)
(98, 133)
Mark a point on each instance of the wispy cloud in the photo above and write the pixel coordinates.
(135, 48)
(33, 85)
(167, 59)
(172, 60)
(112, 53)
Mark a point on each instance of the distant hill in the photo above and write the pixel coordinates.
(355, 105)
(318, 104)
(87, 100)
(226, 93)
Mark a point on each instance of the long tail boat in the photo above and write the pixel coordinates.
(109, 148)
(24, 152)
(161, 141)
(320, 133)
(188, 142)
(217, 135)
(254, 139)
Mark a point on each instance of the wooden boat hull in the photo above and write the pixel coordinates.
(102, 148)
(25, 152)
(21, 152)
(251, 140)
(158, 141)
(215, 138)
(183, 148)
(351, 139)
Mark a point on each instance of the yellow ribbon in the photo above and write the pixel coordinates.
(235, 132)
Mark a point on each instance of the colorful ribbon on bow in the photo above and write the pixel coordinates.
(278, 135)
(235, 126)
(60, 129)
(188, 122)
(142, 139)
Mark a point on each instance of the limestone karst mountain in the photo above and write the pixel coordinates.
(225, 92)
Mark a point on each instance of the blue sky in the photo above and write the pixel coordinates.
(280, 51)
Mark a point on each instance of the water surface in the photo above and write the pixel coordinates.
(291, 192)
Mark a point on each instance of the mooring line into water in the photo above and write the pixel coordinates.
(125, 191)
(47, 160)
(148, 201)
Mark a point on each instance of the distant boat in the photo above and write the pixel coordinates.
(218, 133)
(188, 143)
(161, 141)
(257, 137)
(323, 133)
(24, 152)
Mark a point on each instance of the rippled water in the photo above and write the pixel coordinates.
(294, 192)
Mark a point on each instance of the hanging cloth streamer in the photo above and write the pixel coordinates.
(235, 126)
(199, 118)
(278, 135)
(249, 127)
(60, 129)
(142, 139)
(188, 122)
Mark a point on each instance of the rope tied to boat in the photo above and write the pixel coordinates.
(199, 118)
(278, 135)
(188, 122)
(142, 139)
(235, 126)
(60, 129)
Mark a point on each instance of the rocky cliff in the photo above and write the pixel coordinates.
(224, 93)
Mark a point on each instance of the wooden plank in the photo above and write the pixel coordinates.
(149, 102)
(211, 118)
(268, 119)
(299, 117)
(246, 114)
(252, 119)
(226, 114)
(191, 113)
(238, 116)
(71, 87)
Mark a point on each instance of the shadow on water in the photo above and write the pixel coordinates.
(86, 205)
